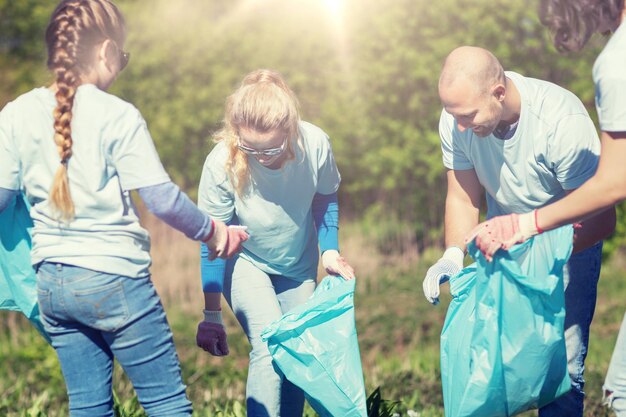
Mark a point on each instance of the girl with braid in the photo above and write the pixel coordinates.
(276, 175)
(77, 152)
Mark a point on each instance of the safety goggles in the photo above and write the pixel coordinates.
(270, 152)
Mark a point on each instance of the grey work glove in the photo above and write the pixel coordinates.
(446, 267)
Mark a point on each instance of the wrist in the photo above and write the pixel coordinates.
(213, 316)
(454, 254)
(528, 224)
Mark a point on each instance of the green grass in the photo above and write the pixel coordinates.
(399, 341)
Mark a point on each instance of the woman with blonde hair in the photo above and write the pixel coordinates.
(77, 152)
(275, 175)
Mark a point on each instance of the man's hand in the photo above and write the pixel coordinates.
(225, 241)
(446, 267)
(211, 335)
(335, 264)
(502, 232)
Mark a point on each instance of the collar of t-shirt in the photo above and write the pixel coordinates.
(505, 131)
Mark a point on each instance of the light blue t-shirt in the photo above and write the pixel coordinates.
(113, 153)
(554, 148)
(609, 77)
(277, 208)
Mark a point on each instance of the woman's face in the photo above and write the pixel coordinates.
(267, 148)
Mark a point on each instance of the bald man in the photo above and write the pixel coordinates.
(526, 143)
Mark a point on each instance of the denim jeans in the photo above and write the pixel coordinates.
(258, 299)
(93, 317)
(581, 282)
(615, 382)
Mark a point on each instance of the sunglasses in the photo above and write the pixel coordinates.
(270, 152)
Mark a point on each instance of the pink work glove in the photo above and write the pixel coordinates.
(225, 241)
(502, 232)
(211, 335)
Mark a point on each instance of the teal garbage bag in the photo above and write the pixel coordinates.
(502, 343)
(18, 288)
(315, 346)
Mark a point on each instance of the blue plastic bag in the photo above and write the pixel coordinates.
(18, 285)
(502, 343)
(315, 346)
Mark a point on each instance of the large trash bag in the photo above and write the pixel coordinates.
(502, 343)
(18, 288)
(315, 346)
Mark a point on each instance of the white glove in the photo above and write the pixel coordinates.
(446, 267)
(335, 264)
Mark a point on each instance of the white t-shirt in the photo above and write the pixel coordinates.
(277, 209)
(609, 77)
(112, 153)
(555, 148)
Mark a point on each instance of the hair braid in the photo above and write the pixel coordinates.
(75, 30)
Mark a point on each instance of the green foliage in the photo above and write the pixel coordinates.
(366, 73)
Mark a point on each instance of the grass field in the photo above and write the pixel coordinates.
(398, 335)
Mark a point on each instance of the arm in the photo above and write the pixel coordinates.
(606, 188)
(6, 197)
(589, 203)
(325, 209)
(462, 210)
(594, 229)
(173, 206)
(462, 206)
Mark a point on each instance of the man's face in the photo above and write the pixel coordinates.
(470, 109)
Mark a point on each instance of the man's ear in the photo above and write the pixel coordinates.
(499, 92)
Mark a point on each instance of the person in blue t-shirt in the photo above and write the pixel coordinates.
(526, 143)
(275, 175)
(573, 22)
(77, 152)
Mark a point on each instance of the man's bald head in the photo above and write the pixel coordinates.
(477, 66)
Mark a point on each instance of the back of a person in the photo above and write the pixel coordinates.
(105, 231)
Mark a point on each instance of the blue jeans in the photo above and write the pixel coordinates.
(615, 382)
(93, 317)
(258, 299)
(581, 282)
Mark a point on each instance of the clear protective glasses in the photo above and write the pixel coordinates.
(268, 153)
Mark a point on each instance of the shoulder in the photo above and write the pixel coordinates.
(312, 134)
(112, 110)
(314, 140)
(549, 103)
(215, 163)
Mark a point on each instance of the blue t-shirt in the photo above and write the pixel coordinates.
(609, 77)
(277, 207)
(555, 148)
(113, 153)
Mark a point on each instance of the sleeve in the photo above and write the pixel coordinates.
(611, 104)
(573, 151)
(171, 205)
(213, 272)
(133, 154)
(9, 159)
(328, 177)
(325, 210)
(215, 192)
(6, 197)
(454, 156)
